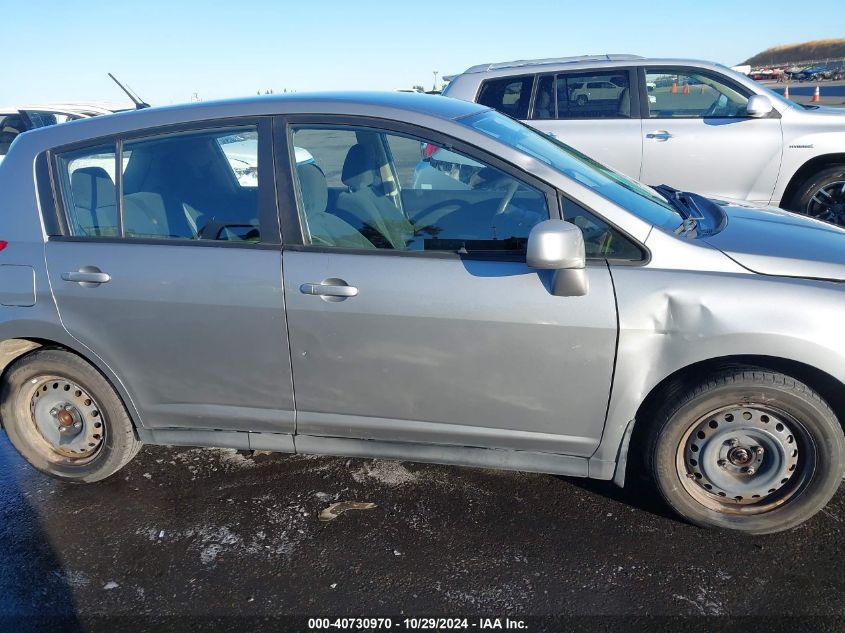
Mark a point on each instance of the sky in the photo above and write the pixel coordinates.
(168, 50)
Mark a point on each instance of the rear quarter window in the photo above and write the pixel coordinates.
(509, 95)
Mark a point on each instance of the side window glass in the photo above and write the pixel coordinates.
(10, 126)
(510, 95)
(198, 185)
(602, 95)
(397, 192)
(691, 94)
(89, 192)
(601, 241)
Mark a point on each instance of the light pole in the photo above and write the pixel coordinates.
(435, 80)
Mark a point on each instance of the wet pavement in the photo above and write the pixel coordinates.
(215, 532)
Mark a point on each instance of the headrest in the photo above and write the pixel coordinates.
(313, 188)
(358, 168)
(92, 187)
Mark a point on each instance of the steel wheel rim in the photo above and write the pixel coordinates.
(745, 459)
(67, 421)
(828, 203)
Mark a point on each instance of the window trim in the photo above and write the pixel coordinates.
(54, 212)
(292, 229)
(633, 81)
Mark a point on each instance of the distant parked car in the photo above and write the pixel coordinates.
(543, 313)
(691, 124)
(18, 119)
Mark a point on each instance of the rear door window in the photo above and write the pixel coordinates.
(595, 95)
(199, 185)
(509, 95)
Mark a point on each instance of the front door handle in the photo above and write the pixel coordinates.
(330, 289)
(659, 135)
(87, 276)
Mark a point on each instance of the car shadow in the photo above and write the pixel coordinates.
(636, 493)
(35, 591)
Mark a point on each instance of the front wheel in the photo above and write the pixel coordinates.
(749, 450)
(64, 417)
(581, 100)
(822, 196)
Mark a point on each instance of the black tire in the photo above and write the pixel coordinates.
(581, 100)
(816, 471)
(116, 442)
(801, 200)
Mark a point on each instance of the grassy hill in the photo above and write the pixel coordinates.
(806, 51)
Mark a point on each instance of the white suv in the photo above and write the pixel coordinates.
(694, 125)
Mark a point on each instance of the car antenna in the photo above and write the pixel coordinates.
(139, 105)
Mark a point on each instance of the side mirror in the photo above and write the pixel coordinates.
(758, 106)
(559, 245)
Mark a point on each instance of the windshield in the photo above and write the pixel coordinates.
(629, 194)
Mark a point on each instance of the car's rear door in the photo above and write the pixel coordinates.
(697, 137)
(428, 326)
(596, 112)
(165, 262)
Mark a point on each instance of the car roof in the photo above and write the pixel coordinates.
(409, 107)
(552, 64)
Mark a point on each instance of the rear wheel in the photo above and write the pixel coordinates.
(750, 450)
(65, 418)
(822, 196)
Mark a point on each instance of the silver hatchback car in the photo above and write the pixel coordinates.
(538, 312)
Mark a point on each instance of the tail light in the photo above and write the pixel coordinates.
(3, 244)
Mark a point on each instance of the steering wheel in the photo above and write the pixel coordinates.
(506, 199)
(720, 103)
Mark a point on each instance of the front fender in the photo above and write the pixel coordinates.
(671, 319)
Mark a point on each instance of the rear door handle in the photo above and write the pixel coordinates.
(660, 135)
(88, 276)
(330, 288)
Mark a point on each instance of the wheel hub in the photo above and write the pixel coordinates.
(741, 455)
(828, 203)
(66, 417)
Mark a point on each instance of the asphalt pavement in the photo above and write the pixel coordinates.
(216, 533)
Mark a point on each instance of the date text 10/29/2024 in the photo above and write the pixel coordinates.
(414, 624)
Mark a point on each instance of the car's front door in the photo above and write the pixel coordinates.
(169, 270)
(595, 112)
(412, 314)
(697, 136)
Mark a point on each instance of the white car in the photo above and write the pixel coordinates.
(17, 119)
(693, 125)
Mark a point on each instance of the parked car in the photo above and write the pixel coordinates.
(547, 314)
(693, 125)
(18, 119)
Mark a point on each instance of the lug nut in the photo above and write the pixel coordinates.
(722, 463)
(759, 451)
(77, 425)
(54, 412)
(750, 470)
(733, 441)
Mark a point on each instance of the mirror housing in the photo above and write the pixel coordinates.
(758, 106)
(559, 245)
